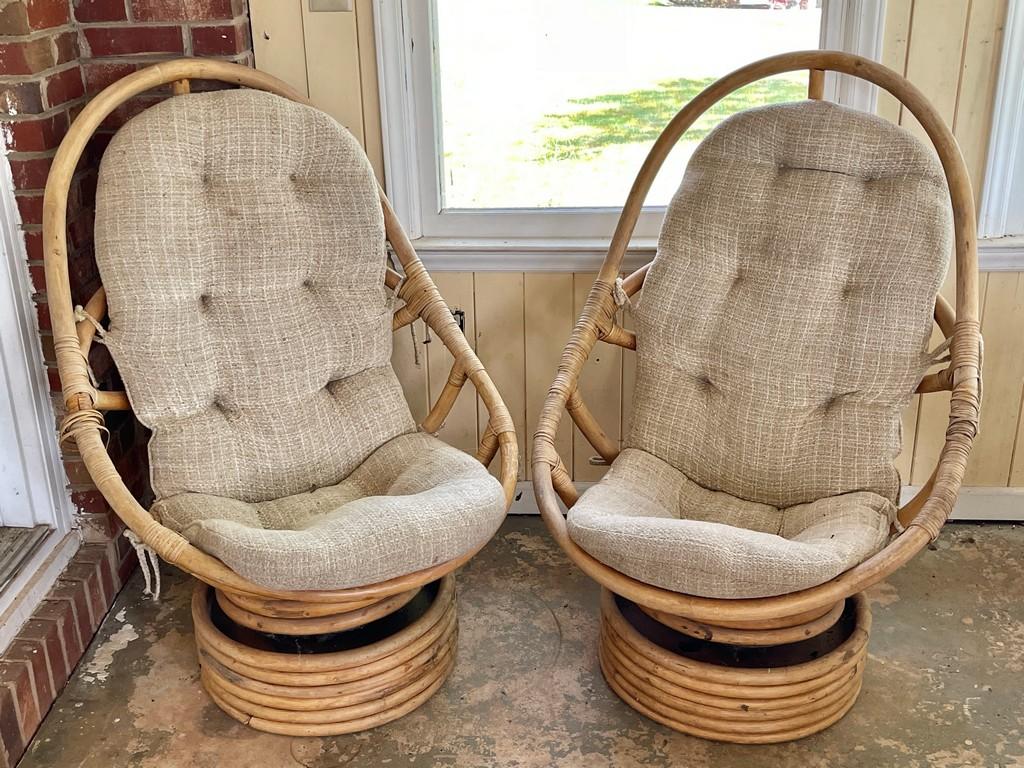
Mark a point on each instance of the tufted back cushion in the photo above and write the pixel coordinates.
(241, 243)
(783, 325)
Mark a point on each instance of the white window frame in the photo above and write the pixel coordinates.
(1001, 243)
(529, 239)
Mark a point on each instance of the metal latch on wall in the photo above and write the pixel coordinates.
(330, 6)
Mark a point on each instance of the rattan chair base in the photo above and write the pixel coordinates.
(327, 684)
(722, 692)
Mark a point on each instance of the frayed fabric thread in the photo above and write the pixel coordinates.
(149, 562)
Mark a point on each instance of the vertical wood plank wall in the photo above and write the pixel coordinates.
(518, 322)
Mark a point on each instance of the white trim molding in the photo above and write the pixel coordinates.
(516, 239)
(1001, 254)
(1002, 199)
(856, 26)
(32, 481)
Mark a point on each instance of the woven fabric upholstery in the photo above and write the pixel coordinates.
(783, 325)
(648, 520)
(415, 502)
(241, 242)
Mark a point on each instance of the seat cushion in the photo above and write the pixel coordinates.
(241, 243)
(784, 323)
(648, 520)
(414, 503)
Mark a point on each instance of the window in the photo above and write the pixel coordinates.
(1001, 217)
(519, 126)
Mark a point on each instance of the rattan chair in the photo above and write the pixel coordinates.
(272, 398)
(790, 218)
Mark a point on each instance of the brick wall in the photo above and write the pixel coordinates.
(54, 55)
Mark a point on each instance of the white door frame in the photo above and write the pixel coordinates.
(33, 486)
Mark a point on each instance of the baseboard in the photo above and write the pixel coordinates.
(975, 503)
(982, 503)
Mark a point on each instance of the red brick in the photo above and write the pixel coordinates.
(73, 595)
(89, 501)
(64, 87)
(48, 634)
(121, 41)
(34, 245)
(38, 276)
(220, 40)
(37, 134)
(27, 57)
(12, 743)
(59, 614)
(100, 10)
(86, 577)
(43, 14)
(66, 44)
(31, 172)
(53, 378)
(185, 10)
(22, 98)
(14, 19)
(34, 652)
(98, 75)
(16, 677)
(31, 208)
(99, 556)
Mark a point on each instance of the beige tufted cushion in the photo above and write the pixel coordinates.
(241, 243)
(782, 328)
(784, 323)
(414, 503)
(646, 519)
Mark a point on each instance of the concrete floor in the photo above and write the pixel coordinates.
(943, 688)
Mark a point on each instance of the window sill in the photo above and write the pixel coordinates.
(526, 254)
(1001, 254)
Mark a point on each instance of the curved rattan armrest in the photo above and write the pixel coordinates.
(924, 515)
(84, 422)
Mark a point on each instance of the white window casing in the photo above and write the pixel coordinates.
(555, 239)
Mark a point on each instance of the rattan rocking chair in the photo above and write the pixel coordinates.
(689, 637)
(377, 635)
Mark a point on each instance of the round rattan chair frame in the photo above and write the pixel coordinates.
(784, 618)
(74, 328)
(924, 515)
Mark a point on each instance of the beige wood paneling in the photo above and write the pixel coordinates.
(549, 319)
(369, 89)
(460, 428)
(1002, 375)
(277, 40)
(501, 346)
(896, 35)
(332, 65)
(409, 359)
(601, 388)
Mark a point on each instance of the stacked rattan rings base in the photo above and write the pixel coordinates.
(331, 692)
(714, 691)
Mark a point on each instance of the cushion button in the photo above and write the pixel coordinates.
(205, 301)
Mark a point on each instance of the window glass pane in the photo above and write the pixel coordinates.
(555, 103)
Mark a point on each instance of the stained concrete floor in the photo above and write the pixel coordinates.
(943, 688)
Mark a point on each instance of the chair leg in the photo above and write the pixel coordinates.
(332, 683)
(747, 694)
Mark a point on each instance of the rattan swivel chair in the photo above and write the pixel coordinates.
(241, 238)
(783, 325)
